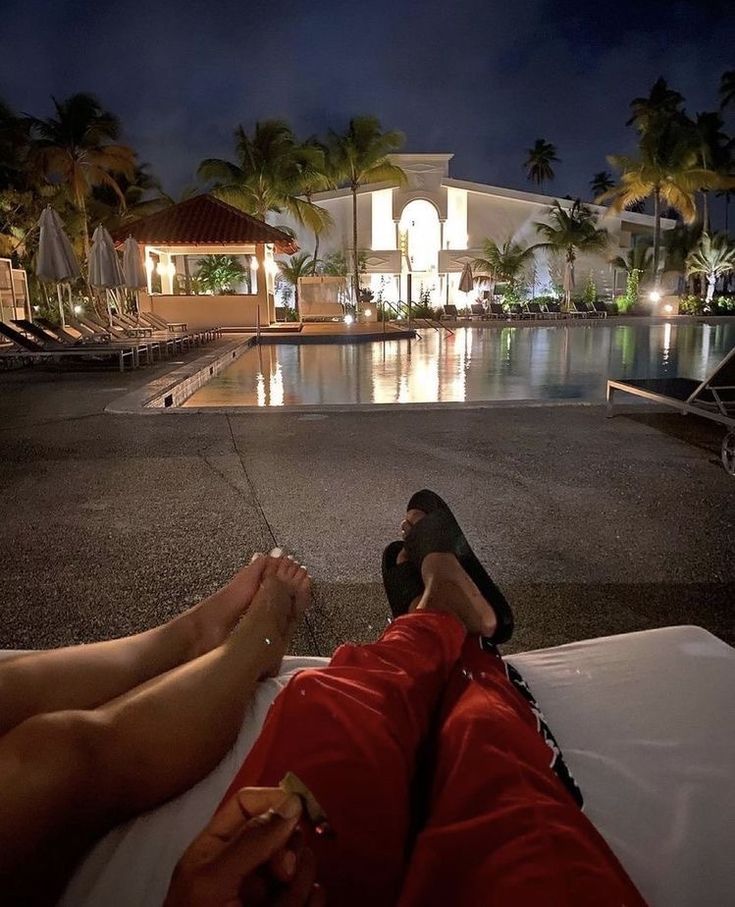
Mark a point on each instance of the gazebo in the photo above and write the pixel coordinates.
(208, 263)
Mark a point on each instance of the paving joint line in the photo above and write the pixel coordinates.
(261, 511)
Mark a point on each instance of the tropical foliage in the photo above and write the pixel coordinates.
(504, 263)
(270, 175)
(361, 155)
(600, 183)
(671, 165)
(713, 257)
(219, 274)
(539, 162)
(570, 231)
(300, 265)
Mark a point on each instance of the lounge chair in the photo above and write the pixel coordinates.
(600, 308)
(477, 310)
(150, 343)
(578, 310)
(81, 335)
(449, 311)
(161, 324)
(534, 310)
(497, 311)
(713, 398)
(38, 351)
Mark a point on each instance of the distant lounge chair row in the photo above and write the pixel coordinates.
(527, 310)
(126, 340)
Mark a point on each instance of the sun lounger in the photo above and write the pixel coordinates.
(642, 719)
(497, 311)
(578, 310)
(73, 332)
(713, 398)
(36, 351)
(161, 324)
(149, 343)
(477, 310)
(449, 312)
(600, 309)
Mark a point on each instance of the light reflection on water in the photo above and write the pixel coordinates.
(509, 363)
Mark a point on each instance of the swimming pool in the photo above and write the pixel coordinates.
(561, 362)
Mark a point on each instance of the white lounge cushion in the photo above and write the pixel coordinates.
(645, 723)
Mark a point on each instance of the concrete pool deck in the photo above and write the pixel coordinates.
(112, 523)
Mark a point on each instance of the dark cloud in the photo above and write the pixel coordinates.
(480, 77)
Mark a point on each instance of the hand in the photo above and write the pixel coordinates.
(250, 853)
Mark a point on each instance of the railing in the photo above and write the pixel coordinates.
(429, 322)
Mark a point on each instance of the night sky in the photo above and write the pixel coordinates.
(480, 78)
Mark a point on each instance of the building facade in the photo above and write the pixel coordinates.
(431, 227)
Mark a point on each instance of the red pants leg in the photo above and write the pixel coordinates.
(351, 732)
(502, 829)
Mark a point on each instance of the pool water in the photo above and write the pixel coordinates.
(563, 362)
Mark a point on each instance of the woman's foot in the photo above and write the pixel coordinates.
(212, 620)
(267, 626)
(448, 587)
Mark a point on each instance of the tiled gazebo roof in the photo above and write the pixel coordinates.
(203, 221)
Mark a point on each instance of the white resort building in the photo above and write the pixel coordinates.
(435, 224)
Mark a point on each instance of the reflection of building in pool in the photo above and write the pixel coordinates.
(435, 224)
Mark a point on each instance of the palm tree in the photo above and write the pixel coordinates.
(360, 156)
(504, 263)
(318, 174)
(637, 259)
(713, 256)
(539, 161)
(600, 183)
(300, 265)
(715, 152)
(727, 89)
(268, 175)
(571, 231)
(78, 147)
(667, 168)
(661, 106)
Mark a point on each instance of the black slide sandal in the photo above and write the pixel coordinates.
(446, 532)
(402, 582)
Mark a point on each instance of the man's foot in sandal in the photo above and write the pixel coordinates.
(443, 533)
(448, 588)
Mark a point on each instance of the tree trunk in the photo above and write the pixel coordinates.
(711, 281)
(656, 232)
(85, 234)
(316, 251)
(355, 254)
(727, 210)
(705, 211)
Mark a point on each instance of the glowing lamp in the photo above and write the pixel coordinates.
(368, 312)
(668, 309)
(654, 296)
(349, 319)
(77, 309)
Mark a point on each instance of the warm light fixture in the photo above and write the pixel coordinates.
(368, 312)
(349, 319)
(668, 309)
(654, 296)
(77, 309)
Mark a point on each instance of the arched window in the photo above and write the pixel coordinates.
(420, 234)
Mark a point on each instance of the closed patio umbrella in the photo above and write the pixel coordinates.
(55, 261)
(105, 272)
(133, 271)
(466, 281)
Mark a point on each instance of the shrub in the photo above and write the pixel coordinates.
(590, 291)
(691, 305)
(623, 304)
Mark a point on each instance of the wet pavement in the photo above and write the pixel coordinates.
(113, 523)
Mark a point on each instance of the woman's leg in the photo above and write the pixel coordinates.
(87, 770)
(83, 677)
(502, 828)
(352, 733)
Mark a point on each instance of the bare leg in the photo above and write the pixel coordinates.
(88, 770)
(84, 677)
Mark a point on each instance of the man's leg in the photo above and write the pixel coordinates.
(87, 770)
(502, 829)
(352, 733)
(85, 676)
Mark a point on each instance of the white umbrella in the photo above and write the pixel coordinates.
(133, 270)
(55, 261)
(105, 272)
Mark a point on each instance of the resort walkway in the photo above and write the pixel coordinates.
(112, 523)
